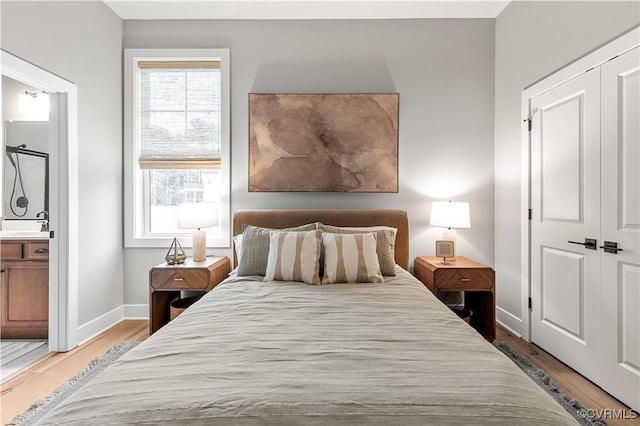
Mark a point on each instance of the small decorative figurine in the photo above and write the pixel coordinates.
(175, 255)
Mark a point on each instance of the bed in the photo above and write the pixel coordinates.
(255, 352)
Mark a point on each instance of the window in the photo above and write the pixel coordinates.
(176, 142)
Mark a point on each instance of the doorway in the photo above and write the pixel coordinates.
(24, 254)
(63, 198)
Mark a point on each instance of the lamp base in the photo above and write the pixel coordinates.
(450, 235)
(199, 245)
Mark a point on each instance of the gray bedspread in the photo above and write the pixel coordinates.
(284, 353)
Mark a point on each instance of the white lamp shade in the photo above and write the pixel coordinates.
(197, 215)
(450, 214)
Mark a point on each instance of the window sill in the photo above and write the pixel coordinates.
(213, 241)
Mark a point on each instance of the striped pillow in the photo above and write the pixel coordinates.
(350, 258)
(386, 243)
(294, 256)
(253, 254)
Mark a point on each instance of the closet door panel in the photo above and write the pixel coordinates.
(565, 204)
(620, 211)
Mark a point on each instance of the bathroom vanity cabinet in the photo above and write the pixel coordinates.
(24, 303)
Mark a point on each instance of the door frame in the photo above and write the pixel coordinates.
(596, 57)
(63, 182)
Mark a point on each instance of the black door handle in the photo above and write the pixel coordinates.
(589, 243)
(611, 247)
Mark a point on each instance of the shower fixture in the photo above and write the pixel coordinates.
(21, 201)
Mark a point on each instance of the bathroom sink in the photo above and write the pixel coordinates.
(24, 235)
(25, 229)
(20, 225)
(22, 229)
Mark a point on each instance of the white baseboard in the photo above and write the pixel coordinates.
(136, 311)
(99, 325)
(94, 327)
(509, 321)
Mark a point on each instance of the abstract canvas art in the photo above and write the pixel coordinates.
(301, 142)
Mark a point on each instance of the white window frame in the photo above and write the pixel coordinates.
(134, 203)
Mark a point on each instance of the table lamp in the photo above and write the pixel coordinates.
(195, 216)
(450, 215)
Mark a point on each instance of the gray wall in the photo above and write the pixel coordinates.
(442, 69)
(533, 39)
(82, 42)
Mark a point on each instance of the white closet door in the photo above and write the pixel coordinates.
(565, 201)
(621, 224)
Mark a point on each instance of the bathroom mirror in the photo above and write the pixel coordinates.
(26, 170)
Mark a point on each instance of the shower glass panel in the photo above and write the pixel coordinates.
(26, 170)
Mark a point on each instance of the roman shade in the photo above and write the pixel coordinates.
(179, 121)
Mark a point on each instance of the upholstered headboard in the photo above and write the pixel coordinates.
(287, 218)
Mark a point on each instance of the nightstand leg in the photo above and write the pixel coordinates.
(484, 316)
(159, 308)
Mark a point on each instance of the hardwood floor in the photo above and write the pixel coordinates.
(42, 378)
(572, 383)
(55, 369)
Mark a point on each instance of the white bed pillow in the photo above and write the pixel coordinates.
(385, 246)
(350, 258)
(294, 256)
(237, 243)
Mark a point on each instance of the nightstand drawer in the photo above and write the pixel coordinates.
(187, 279)
(464, 279)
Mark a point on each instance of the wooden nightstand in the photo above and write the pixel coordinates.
(167, 281)
(477, 281)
